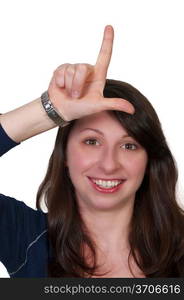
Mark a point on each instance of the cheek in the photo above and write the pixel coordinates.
(78, 159)
(136, 166)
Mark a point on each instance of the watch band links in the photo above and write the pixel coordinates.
(51, 111)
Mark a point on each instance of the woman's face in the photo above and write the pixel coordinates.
(99, 148)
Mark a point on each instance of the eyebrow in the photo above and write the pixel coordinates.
(100, 132)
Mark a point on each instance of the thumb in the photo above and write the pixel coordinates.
(119, 104)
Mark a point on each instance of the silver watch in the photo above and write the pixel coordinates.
(51, 111)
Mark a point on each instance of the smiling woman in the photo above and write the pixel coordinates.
(109, 197)
(112, 209)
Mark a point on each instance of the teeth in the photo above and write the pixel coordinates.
(106, 184)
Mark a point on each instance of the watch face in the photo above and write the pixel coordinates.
(47, 106)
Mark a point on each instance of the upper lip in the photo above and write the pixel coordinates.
(106, 179)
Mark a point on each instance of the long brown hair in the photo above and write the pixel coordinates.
(157, 227)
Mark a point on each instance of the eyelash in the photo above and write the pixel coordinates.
(125, 144)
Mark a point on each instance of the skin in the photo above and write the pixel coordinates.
(107, 216)
(106, 157)
(76, 90)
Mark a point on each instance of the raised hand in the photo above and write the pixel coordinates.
(76, 90)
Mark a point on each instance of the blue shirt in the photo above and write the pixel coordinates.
(24, 246)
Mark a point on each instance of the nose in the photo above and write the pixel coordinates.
(109, 162)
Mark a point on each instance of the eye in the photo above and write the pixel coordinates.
(129, 146)
(90, 141)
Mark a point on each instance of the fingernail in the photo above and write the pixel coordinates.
(75, 94)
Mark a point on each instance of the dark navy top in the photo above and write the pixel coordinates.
(24, 246)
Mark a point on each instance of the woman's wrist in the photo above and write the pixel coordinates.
(26, 121)
(52, 112)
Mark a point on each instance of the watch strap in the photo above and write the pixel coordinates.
(51, 111)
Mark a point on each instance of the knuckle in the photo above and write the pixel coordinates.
(82, 68)
(60, 69)
(55, 73)
(58, 72)
(70, 70)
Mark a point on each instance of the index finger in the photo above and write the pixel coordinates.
(105, 53)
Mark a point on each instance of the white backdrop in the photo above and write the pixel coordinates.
(39, 35)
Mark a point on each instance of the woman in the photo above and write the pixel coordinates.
(109, 187)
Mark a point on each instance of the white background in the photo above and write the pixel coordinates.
(39, 35)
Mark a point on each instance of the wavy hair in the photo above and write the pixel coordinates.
(156, 236)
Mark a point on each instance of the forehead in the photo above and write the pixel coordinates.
(104, 120)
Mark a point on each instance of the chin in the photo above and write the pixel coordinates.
(105, 205)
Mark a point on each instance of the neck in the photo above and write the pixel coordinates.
(109, 229)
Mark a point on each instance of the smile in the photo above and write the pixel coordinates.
(106, 186)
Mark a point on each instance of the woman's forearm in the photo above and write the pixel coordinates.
(26, 121)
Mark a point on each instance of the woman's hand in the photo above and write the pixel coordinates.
(76, 90)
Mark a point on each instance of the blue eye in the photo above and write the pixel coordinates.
(90, 140)
(128, 146)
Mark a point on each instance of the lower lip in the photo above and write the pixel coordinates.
(105, 190)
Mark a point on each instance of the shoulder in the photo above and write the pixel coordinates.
(23, 237)
(17, 211)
